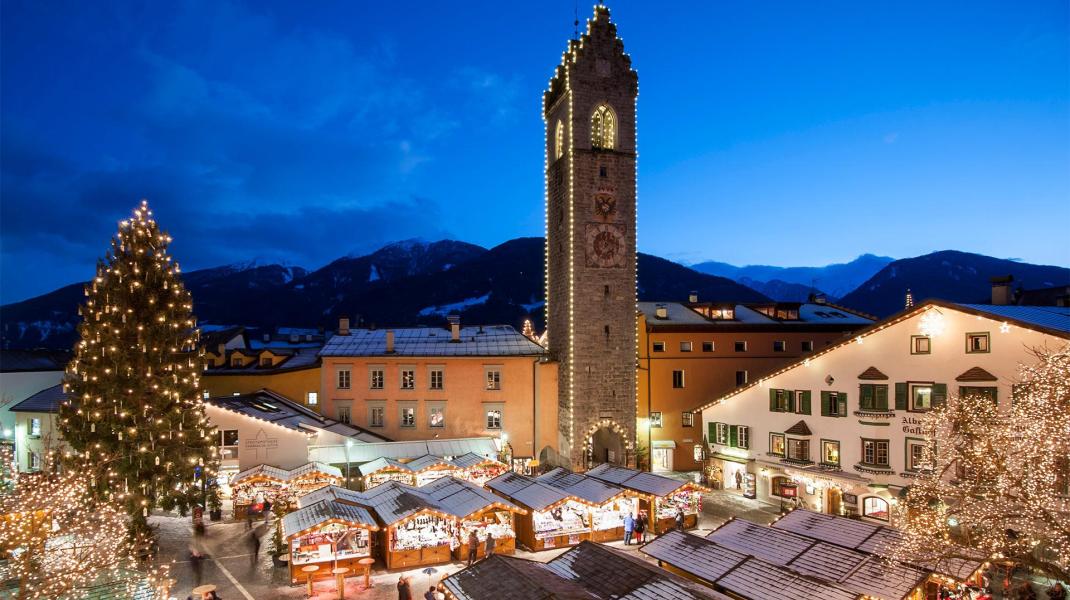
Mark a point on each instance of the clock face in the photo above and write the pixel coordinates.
(605, 245)
(604, 204)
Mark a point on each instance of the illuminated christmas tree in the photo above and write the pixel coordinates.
(133, 386)
(998, 479)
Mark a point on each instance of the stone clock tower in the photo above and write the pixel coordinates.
(589, 110)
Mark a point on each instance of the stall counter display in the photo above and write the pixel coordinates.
(481, 474)
(425, 477)
(611, 514)
(564, 519)
(337, 544)
(689, 498)
(248, 497)
(380, 477)
(498, 523)
(423, 539)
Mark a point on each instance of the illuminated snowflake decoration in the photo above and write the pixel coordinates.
(932, 324)
(1004, 327)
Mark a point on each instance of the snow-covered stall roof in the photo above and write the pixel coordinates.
(591, 489)
(526, 491)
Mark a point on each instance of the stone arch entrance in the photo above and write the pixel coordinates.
(606, 442)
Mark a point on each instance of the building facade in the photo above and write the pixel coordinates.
(690, 353)
(840, 431)
(286, 363)
(424, 383)
(589, 112)
(24, 374)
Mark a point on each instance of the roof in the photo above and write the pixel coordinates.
(470, 459)
(382, 463)
(22, 361)
(800, 428)
(321, 512)
(362, 453)
(638, 481)
(679, 315)
(315, 467)
(287, 474)
(462, 498)
(526, 491)
(1052, 320)
(45, 401)
(976, 374)
(295, 359)
(211, 338)
(429, 461)
(872, 373)
(270, 406)
(393, 501)
(591, 489)
(486, 340)
(331, 492)
(501, 576)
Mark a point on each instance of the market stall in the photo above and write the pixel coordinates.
(477, 510)
(608, 503)
(251, 488)
(478, 469)
(429, 468)
(382, 470)
(329, 534)
(658, 495)
(311, 477)
(553, 519)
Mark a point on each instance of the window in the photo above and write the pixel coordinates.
(687, 419)
(655, 419)
(408, 378)
(677, 379)
(808, 346)
(312, 398)
(377, 416)
(921, 344)
(799, 450)
(830, 453)
(494, 419)
(801, 404)
(875, 453)
(235, 362)
(436, 416)
(921, 396)
(988, 392)
(35, 461)
(915, 454)
(343, 378)
(34, 428)
(659, 346)
(742, 437)
(685, 346)
(833, 404)
(236, 394)
(873, 396)
(265, 361)
(776, 444)
(707, 346)
(436, 378)
(741, 346)
(603, 128)
(976, 343)
(741, 378)
(780, 346)
(781, 401)
(721, 433)
(344, 414)
(408, 416)
(559, 140)
(494, 379)
(376, 378)
(697, 452)
(228, 437)
(875, 508)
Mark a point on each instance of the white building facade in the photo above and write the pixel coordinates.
(840, 431)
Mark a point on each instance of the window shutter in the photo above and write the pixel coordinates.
(865, 396)
(791, 401)
(995, 396)
(841, 410)
(746, 442)
(901, 396)
(804, 401)
(939, 394)
(882, 397)
(772, 399)
(733, 435)
(712, 437)
(826, 404)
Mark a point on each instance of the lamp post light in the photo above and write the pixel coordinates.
(349, 444)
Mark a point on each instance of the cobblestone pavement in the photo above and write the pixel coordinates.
(230, 565)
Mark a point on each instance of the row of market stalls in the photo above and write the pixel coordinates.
(805, 555)
(251, 488)
(427, 468)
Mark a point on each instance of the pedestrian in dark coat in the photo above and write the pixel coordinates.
(473, 547)
(404, 589)
(680, 519)
(195, 562)
(640, 527)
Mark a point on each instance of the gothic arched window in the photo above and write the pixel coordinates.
(603, 128)
(559, 140)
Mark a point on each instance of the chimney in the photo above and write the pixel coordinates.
(661, 312)
(389, 341)
(692, 297)
(343, 325)
(455, 328)
(1001, 289)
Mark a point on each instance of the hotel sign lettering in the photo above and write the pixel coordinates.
(913, 426)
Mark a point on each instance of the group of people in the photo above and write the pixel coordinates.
(637, 526)
(405, 590)
(435, 593)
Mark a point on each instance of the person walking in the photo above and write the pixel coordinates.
(629, 527)
(404, 589)
(430, 593)
(196, 560)
(680, 519)
(473, 547)
(254, 548)
(739, 480)
(489, 550)
(640, 527)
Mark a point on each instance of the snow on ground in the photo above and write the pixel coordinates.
(456, 307)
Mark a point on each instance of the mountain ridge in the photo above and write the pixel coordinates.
(835, 280)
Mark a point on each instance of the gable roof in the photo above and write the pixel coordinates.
(872, 373)
(976, 374)
(579, 485)
(268, 405)
(1050, 319)
(471, 459)
(430, 461)
(322, 512)
(526, 491)
(638, 481)
(45, 401)
(509, 577)
(381, 464)
(393, 501)
(799, 428)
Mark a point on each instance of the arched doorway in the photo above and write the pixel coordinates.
(834, 502)
(606, 447)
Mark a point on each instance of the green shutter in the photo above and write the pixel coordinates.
(882, 397)
(772, 399)
(865, 396)
(733, 435)
(841, 410)
(712, 437)
(995, 395)
(804, 402)
(826, 404)
(939, 394)
(901, 396)
(791, 401)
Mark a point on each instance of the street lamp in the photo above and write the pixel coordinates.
(349, 444)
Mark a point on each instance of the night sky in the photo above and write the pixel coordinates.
(787, 133)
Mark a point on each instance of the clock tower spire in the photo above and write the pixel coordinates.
(589, 111)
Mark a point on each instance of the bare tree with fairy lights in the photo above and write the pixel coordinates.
(997, 482)
(133, 386)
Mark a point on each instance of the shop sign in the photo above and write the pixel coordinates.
(913, 426)
(750, 486)
(789, 490)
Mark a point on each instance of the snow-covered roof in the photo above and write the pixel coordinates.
(430, 461)
(285, 475)
(331, 492)
(321, 512)
(268, 405)
(1055, 318)
(362, 453)
(745, 315)
(382, 463)
(639, 481)
(485, 340)
(591, 489)
(526, 491)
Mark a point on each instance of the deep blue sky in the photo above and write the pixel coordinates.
(784, 133)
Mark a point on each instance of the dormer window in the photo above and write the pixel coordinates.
(603, 128)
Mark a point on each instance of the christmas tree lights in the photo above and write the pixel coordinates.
(996, 483)
(133, 386)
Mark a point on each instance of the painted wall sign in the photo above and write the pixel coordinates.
(913, 425)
